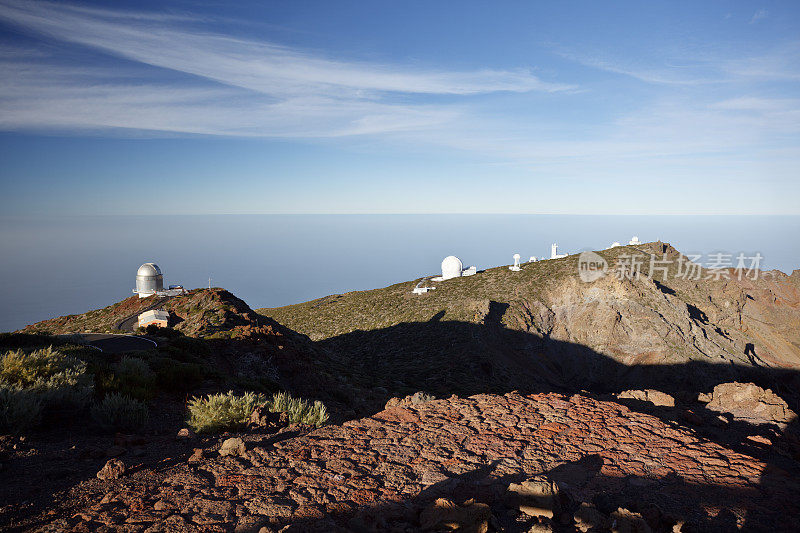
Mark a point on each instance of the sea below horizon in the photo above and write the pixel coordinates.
(58, 265)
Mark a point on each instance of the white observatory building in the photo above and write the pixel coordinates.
(452, 267)
(149, 280)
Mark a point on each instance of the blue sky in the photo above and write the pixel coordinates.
(388, 107)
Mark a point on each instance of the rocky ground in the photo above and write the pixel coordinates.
(488, 462)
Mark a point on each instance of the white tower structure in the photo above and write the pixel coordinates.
(554, 252)
(515, 266)
(149, 280)
(634, 241)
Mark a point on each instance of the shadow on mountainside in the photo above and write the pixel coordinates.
(462, 358)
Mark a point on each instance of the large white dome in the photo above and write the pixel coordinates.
(148, 269)
(451, 267)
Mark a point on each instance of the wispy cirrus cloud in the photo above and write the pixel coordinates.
(696, 67)
(240, 86)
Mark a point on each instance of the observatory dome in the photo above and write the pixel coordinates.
(451, 267)
(149, 280)
(149, 269)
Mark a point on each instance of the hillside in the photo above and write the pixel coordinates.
(203, 313)
(543, 328)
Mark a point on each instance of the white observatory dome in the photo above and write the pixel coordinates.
(148, 269)
(451, 267)
(149, 280)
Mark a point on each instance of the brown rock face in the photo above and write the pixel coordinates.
(113, 469)
(657, 398)
(751, 403)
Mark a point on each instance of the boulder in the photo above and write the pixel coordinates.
(412, 399)
(537, 496)
(625, 521)
(197, 456)
(657, 398)
(444, 514)
(113, 469)
(749, 402)
(233, 446)
(184, 433)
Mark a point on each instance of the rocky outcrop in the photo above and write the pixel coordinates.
(412, 399)
(751, 403)
(113, 469)
(657, 398)
(487, 461)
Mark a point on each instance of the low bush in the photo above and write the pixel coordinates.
(229, 412)
(119, 412)
(45, 367)
(58, 382)
(300, 411)
(19, 409)
(222, 412)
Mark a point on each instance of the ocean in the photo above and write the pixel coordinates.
(53, 266)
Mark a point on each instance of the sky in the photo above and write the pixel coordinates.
(216, 107)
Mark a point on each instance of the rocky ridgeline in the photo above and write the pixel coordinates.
(508, 462)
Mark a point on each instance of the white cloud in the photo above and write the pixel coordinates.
(227, 85)
(256, 65)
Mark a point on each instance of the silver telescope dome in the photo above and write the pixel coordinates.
(149, 280)
(149, 269)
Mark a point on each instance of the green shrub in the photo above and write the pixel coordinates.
(222, 412)
(228, 412)
(58, 381)
(45, 367)
(119, 412)
(19, 409)
(300, 411)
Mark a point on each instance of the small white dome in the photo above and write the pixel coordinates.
(451, 267)
(148, 269)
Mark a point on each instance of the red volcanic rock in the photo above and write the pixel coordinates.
(453, 462)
